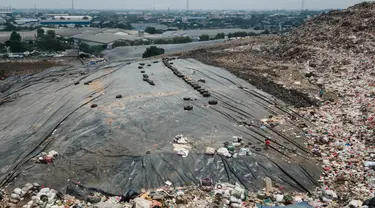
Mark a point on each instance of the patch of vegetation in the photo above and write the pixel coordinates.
(153, 51)
(152, 30)
(204, 37)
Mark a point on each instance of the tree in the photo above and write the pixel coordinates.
(123, 25)
(220, 36)
(266, 32)
(51, 33)
(70, 41)
(40, 32)
(153, 51)
(15, 37)
(150, 30)
(15, 43)
(186, 39)
(50, 44)
(204, 37)
(84, 47)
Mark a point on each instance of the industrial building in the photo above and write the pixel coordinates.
(23, 21)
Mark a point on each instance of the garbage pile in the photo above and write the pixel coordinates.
(343, 134)
(348, 29)
(47, 157)
(207, 194)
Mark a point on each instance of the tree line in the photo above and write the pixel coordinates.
(46, 41)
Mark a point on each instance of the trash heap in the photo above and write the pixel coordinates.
(206, 194)
(342, 138)
(336, 50)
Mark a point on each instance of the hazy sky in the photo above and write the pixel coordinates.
(181, 4)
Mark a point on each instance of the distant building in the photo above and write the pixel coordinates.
(189, 19)
(66, 20)
(26, 21)
(6, 10)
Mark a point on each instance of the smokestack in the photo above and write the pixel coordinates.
(72, 6)
(187, 5)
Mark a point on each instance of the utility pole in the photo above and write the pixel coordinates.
(72, 6)
(35, 10)
(187, 5)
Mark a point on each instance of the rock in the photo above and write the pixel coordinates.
(1, 196)
(107, 205)
(355, 204)
(15, 196)
(17, 191)
(141, 203)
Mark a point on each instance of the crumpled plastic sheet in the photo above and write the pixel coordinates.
(104, 148)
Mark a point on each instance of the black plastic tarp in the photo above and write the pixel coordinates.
(105, 147)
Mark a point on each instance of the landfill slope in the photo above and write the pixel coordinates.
(129, 53)
(107, 147)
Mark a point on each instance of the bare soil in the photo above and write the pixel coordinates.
(11, 67)
(247, 59)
